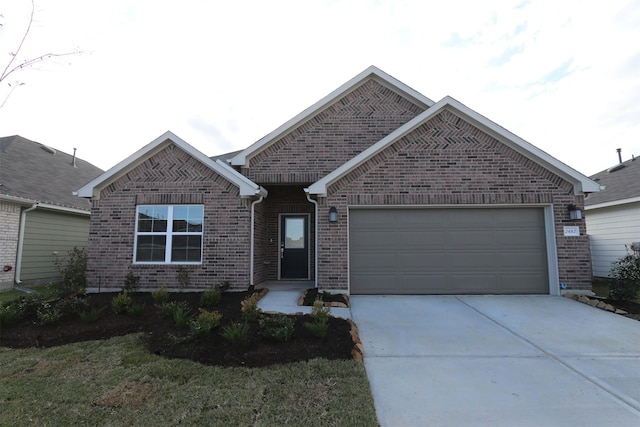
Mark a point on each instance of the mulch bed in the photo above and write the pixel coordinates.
(164, 338)
(310, 295)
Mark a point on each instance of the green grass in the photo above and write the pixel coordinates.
(7, 296)
(116, 382)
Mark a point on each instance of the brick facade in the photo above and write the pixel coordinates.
(335, 135)
(170, 177)
(10, 226)
(448, 162)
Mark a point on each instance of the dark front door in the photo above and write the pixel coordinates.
(294, 247)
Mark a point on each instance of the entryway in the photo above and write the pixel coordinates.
(294, 246)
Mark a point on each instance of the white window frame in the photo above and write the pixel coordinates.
(169, 234)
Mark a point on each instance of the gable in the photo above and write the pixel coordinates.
(446, 157)
(579, 182)
(246, 187)
(325, 141)
(166, 170)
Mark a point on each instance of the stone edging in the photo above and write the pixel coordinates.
(596, 302)
(327, 303)
(358, 350)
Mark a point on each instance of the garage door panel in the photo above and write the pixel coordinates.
(448, 251)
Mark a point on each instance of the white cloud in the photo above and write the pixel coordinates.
(223, 74)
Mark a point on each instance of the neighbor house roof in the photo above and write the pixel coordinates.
(372, 72)
(31, 172)
(581, 182)
(247, 187)
(621, 183)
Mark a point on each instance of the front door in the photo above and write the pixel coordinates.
(294, 246)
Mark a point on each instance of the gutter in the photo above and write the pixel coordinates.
(315, 202)
(23, 221)
(253, 238)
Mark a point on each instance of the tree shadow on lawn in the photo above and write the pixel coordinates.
(163, 337)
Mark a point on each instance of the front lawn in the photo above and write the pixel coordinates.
(117, 382)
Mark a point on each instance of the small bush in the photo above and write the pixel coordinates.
(278, 327)
(181, 314)
(131, 282)
(48, 314)
(135, 309)
(236, 332)
(210, 298)
(27, 305)
(321, 315)
(121, 302)
(205, 322)
(249, 308)
(72, 305)
(92, 315)
(160, 296)
(9, 314)
(72, 269)
(170, 307)
(625, 279)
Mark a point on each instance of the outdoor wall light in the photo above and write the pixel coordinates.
(575, 213)
(333, 214)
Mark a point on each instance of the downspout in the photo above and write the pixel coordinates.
(315, 202)
(23, 221)
(253, 220)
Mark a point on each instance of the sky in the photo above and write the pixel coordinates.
(563, 75)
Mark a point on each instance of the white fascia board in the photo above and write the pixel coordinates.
(613, 203)
(581, 182)
(92, 189)
(241, 158)
(43, 205)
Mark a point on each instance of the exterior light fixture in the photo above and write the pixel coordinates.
(333, 214)
(575, 213)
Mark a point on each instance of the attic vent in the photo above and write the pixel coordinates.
(615, 168)
(48, 149)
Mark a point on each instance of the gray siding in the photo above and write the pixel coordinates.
(47, 232)
(610, 229)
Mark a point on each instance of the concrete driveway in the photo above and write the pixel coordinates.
(498, 361)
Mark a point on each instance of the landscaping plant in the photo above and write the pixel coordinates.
(121, 302)
(236, 332)
(72, 269)
(160, 296)
(205, 322)
(625, 279)
(276, 327)
(320, 315)
(250, 310)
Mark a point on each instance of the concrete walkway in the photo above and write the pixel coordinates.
(498, 361)
(284, 299)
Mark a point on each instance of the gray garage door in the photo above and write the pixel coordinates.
(448, 251)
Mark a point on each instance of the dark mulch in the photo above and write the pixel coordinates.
(632, 308)
(164, 338)
(310, 296)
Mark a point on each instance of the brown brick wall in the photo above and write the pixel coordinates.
(447, 161)
(326, 141)
(170, 177)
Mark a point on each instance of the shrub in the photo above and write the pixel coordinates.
(27, 304)
(135, 309)
(9, 314)
(249, 308)
(72, 269)
(236, 332)
(204, 322)
(72, 305)
(92, 315)
(278, 327)
(321, 315)
(169, 308)
(625, 279)
(48, 314)
(160, 296)
(210, 298)
(121, 302)
(131, 282)
(181, 314)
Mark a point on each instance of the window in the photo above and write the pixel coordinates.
(169, 234)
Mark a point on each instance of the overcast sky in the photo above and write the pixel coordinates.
(563, 75)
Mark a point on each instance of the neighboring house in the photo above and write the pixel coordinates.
(39, 216)
(613, 215)
(373, 189)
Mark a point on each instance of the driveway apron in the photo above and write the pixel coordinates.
(498, 361)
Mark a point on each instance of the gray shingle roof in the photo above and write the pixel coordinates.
(622, 183)
(34, 172)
